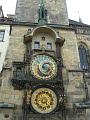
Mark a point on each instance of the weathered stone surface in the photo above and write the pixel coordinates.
(73, 81)
(70, 50)
(16, 45)
(27, 10)
(6, 114)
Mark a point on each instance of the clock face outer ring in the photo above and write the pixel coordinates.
(43, 67)
(44, 100)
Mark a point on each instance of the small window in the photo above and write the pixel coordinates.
(36, 45)
(2, 35)
(49, 46)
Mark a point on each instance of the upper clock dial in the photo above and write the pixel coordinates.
(43, 67)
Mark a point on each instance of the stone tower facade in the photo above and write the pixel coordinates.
(27, 11)
(44, 64)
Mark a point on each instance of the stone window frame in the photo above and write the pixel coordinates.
(83, 55)
(2, 33)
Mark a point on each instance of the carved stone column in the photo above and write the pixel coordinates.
(59, 44)
(27, 41)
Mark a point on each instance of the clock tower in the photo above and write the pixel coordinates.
(43, 66)
(26, 11)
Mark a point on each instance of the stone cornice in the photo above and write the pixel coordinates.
(57, 26)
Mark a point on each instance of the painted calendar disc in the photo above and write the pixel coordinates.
(44, 100)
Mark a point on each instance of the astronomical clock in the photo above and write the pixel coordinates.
(45, 75)
(44, 99)
(43, 67)
(40, 75)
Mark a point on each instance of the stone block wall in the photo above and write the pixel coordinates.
(70, 50)
(73, 78)
(27, 10)
(15, 52)
(6, 114)
(74, 86)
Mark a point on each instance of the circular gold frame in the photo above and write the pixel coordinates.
(43, 67)
(44, 100)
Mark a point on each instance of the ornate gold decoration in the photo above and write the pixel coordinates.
(43, 67)
(44, 100)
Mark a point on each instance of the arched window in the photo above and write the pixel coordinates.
(83, 57)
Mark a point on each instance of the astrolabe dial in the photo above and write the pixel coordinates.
(43, 67)
(44, 100)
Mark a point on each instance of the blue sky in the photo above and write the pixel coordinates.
(73, 6)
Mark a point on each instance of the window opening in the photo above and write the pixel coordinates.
(2, 35)
(83, 57)
(49, 46)
(36, 45)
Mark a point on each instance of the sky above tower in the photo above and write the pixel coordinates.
(76, 9)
